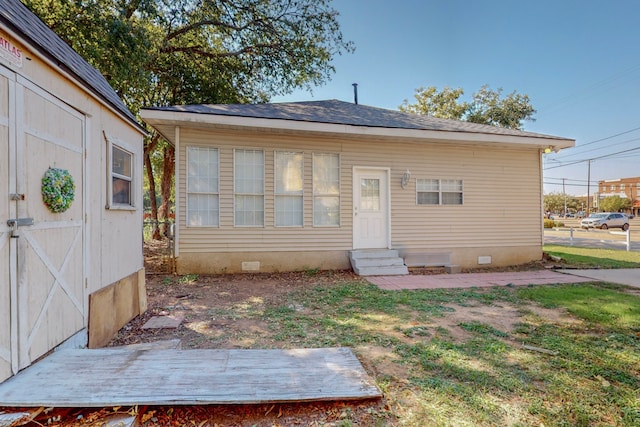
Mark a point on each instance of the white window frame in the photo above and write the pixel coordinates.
(237, 194)
(287, 194)
(441, 190)
(122, 146)
(317, 194)
(215, 192)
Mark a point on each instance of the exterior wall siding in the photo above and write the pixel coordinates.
(500, 216)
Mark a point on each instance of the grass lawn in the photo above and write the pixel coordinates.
(594, 257)
(431, 376)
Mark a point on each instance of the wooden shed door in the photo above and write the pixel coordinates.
(6, 348)
(46, 257)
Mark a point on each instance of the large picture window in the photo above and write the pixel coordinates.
(203, 204)
(326, 189)
(249, 188)
(439, 192)
(288, 189)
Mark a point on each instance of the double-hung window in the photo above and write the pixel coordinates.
(120, 188)
(439, 191)
(249, 188)
(203, 203)
(288, 189)
(326, 189)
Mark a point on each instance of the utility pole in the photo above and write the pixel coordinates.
(565, 198)
(588, 186)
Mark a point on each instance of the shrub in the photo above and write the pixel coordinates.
(549, 223)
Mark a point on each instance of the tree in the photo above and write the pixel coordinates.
(486, 107)
(168, 52)
(555, 202)
(615, 204)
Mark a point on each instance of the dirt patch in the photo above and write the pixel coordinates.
(226, 312)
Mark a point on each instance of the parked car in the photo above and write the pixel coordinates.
(605, 220)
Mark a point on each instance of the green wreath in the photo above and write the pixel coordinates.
(58, 189)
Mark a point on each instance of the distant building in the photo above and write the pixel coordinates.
(627, 188)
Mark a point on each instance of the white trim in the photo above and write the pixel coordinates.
(176, 228)
(131, 150)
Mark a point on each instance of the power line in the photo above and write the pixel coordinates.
(604, 156)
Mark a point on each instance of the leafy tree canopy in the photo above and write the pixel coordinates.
(487, 106)
(555, 202)
(160, 52)
(615, 204)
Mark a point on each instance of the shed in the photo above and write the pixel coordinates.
(71, 263)
(315, 185)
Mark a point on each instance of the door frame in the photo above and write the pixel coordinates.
(356, 172)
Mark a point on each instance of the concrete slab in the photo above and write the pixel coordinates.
(163, 322)
(621, 276)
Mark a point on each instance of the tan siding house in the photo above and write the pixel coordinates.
(70, 274)
(294, 186)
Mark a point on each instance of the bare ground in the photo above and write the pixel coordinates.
(210, 305)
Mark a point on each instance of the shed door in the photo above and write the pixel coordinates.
(370, 209)
(5, 213)
(46, 253)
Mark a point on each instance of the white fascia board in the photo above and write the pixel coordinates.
(159, 117)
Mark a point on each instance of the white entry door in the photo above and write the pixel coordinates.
(370, 208)
(42, 259)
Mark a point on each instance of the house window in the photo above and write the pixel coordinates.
(439, 192)
(249, 188)
(612, 188)
(621, 187)
(203, 205)
(288, 189)
(120, 187)
(326, 190)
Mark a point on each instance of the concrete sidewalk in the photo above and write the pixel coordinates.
(621, 276)
(630, 277)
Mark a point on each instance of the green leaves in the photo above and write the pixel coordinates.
(58, 189)
(487, 106)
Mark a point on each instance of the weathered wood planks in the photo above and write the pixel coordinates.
(114, 377)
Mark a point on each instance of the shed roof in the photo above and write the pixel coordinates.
(20, 20)
(334, 112)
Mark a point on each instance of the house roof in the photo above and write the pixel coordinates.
(340, 113)
(21, 21)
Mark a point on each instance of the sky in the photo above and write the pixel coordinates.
(578, 61)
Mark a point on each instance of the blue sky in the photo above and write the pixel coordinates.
(579, 62)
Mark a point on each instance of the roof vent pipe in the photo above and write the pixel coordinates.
(355, 93)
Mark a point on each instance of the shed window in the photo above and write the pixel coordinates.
(288, 189)
(203, 204)
(439, 191)
(326, 189)
(249, 188)
(120, 194)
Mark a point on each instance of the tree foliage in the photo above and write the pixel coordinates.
(555, 202)
(487, 106)
(172, 52)
(615, 204)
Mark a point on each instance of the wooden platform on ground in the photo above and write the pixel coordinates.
(123, 377)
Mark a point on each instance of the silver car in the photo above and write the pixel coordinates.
(606, 220)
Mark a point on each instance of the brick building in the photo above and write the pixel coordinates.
(628, 188)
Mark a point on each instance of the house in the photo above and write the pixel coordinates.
(295, 186)
(71, 264)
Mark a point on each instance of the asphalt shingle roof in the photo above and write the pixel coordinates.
(23, 22)
(347, 113)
